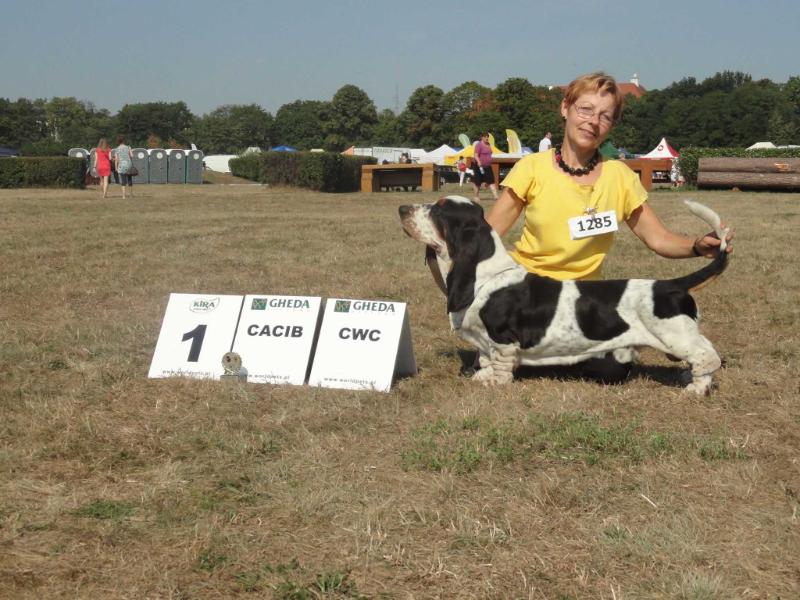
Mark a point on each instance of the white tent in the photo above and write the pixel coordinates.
(437, 156)
(762, 145)
(662, 150)
(218, 162)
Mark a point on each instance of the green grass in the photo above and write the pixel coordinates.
(464, 446)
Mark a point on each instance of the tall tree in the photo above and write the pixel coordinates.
(459, 104)
(388, 130)
(232, 128)
(300, 124)
(423, 116)
(350, 118)
(22, 121)
(163, 119)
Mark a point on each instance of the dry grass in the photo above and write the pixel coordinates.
(116, 486)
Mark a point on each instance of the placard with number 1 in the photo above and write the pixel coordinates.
(194, 329)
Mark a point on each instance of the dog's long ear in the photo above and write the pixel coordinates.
(469, 242)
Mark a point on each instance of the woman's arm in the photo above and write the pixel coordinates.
(644, 222)
(505, 211)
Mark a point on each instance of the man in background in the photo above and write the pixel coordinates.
(545, 144)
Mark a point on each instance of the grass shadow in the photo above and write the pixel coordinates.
(668, 376)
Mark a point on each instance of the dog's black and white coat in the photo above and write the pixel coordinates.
(518, 318)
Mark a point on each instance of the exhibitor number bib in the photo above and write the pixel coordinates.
(593, 224)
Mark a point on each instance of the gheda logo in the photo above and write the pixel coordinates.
(279, 302)
(204, 305)
(342, 306)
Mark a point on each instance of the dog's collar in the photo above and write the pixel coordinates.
(433, 265)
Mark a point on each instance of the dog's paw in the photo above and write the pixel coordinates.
(626, 355)
(701, 386)
(485, 375)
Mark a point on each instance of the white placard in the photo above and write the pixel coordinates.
(275, 336)
(593, 224)
(196, 331)
(362, 344)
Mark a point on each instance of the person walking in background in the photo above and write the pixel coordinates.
(546, 142)
(102, 164)
(461, 166)
(123, 160)
(482, 167)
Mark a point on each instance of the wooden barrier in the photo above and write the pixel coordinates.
(646, 166)
(376, 177)
(749, 173)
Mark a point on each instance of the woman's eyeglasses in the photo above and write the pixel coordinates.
(587, 112)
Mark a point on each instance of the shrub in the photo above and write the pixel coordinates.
(50, 171)
(44, 148)
(321, 171)
(247, 166)
(690, 157)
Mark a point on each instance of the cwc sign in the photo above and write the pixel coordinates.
(362, 344)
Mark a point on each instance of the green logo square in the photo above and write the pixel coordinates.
(342, 306)
(259, 304)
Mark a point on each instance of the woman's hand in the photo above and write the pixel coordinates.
(708, 245)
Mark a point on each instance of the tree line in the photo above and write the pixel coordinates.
(727, 109)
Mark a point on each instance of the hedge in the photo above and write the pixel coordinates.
(691, 155)
(44, 171)
(320, 171)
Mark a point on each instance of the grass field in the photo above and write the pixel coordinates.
(116, 486)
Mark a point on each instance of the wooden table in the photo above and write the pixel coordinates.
(497, 163)
(375, 177)
(646, 166)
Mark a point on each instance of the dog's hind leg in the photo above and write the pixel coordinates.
(702, 358)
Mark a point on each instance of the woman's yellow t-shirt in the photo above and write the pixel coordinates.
(552, 198)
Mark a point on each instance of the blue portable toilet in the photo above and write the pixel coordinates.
(176, 171)
(157, 163)
(141, 161)
(194, 166)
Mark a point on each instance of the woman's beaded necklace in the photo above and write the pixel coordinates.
(580, 170)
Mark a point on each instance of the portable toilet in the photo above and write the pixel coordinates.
(157, 165)
(90, 162)
(141, 161)
(176, 172)
(194, 166)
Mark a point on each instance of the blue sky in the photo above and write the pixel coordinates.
(210, 53)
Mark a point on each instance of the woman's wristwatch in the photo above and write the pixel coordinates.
(694, 249)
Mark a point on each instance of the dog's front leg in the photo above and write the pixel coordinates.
(497, 367)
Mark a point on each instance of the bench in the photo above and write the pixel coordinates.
(376, 177)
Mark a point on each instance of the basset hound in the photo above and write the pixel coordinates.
(516, 318)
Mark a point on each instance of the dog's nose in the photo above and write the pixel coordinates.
(405, 210)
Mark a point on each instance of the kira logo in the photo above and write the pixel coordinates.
(342, 306)
(259, 304)
(204, 305)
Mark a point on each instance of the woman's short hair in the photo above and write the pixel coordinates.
(595, 83)
(120, 139)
